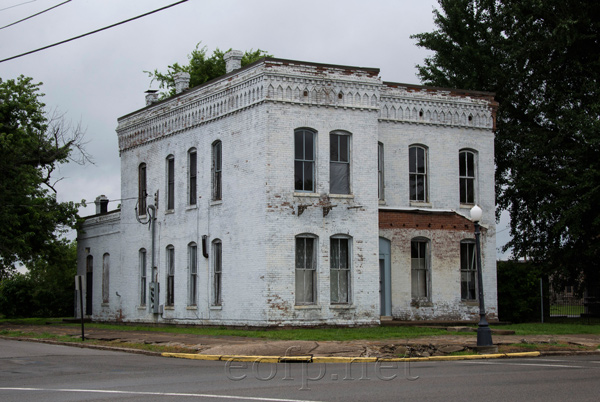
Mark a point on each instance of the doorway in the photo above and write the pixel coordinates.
(385, 277)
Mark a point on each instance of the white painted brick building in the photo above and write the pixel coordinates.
(285, 192)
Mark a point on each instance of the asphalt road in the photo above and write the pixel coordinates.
(41, 372)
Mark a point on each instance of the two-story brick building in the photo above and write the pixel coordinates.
(296, 193)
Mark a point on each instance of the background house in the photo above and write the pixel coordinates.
(296, 193)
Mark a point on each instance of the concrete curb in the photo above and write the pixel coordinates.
(340, 359)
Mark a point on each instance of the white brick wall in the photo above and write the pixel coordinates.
(254, 112)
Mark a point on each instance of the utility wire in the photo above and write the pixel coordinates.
(93, 32)
(36, 14)
(17, 5)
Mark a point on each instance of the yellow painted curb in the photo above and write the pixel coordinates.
(461, 357)
(340, 359)
(192, 356)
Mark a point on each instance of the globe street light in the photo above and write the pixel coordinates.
(484, 334)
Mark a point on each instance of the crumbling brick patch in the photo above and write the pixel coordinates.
(420, 219)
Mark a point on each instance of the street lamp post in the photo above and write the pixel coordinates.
(484, 334)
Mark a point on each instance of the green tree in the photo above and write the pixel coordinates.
(32, 145)
(46, 290)
(542, 60)
(201, 67)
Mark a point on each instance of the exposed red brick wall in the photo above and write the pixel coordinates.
(424, 220)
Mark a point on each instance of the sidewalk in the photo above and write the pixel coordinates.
(442, 345)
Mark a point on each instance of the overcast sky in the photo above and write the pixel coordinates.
(96, 79)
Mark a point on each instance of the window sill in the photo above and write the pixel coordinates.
(169, 308)
(342, 307)
(216, 202)
(472, 303)
(307, 307)
(419, 204)
(194, 307)
(466, 206)
(312, 195)
(191, 207)
(142, 307)
(169, 211)
(216, 307)
(105, 304)
(382, 202)
(347, 196)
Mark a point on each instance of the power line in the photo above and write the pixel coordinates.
(36, 14)
(93, 32)
(17, 5)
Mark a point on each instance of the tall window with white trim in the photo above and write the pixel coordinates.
(142, 267)
(304, 160)
(467, 166)
(193, 271)
(170, 296)
(340, 266)
(468, 271)
(420, 272)
(417, 167)
(306, 269)
(339, 162)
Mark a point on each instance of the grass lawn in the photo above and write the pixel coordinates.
(551, 328)
(311, 334)
(323, 334)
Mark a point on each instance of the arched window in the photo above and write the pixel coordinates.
(142, 190)
(467, 176)
(143, 273)
(192, 176)
(468, 270)
(340, 268)
(339, 162)
(304, 160)
(306, 269)
(380, 175)
(170, 297)
(193, 272)
(420, 269)
(89, 284)
(170, 182)
(417, 168)
(105, 278)
(217, 272)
